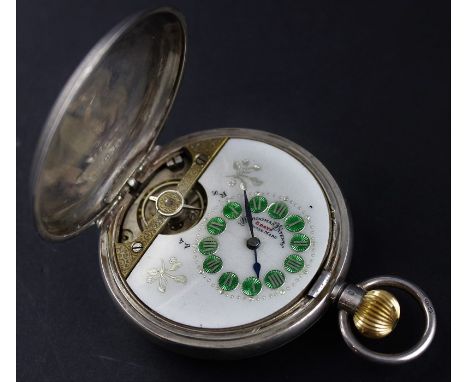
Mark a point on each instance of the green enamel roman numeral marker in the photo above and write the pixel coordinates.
(258, 204)
(228, 281)
(251, 286)
(274, 279)
(208, 246)
(212, 264)
(278, 210)
(299, 242)
(232, 210)
(294, 263)
(216, 225)
(294, 223)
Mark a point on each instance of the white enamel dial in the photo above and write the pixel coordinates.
(205, 276)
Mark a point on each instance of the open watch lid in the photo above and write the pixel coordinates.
(106, 120)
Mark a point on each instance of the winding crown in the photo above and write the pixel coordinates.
(377, 315)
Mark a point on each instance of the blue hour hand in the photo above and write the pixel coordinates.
(253, 242)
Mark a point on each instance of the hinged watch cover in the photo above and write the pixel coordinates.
(106, 120)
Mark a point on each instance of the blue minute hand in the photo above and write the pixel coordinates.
(253, 242)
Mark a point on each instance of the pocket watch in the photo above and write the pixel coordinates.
(225, 243)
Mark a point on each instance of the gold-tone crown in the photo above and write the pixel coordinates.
(377, 315)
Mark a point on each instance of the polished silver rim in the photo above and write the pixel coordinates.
(396, 358)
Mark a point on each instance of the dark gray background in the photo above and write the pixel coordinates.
(364, 86)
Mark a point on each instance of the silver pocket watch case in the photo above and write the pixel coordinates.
(225, 243)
